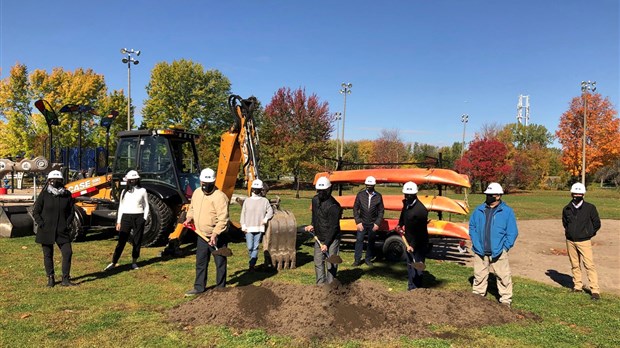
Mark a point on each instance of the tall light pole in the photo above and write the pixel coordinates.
(346, 89)
(337, 118)
(464, 119)
(128, 61)
(585, 87)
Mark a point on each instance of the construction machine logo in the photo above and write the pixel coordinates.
(84, 185)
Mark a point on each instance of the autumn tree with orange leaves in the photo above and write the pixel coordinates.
(602, 134)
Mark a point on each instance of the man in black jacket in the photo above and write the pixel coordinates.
(326, 212)
(413, 219)
(368, 213)
(53, 212)
(581, 222)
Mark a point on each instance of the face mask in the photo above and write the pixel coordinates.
(577, 199)
(258, 192)
(131, 184)
(410, 198)
(207, 187)
(323, 195)
(370, 189)
(56, 183)
(490, 199)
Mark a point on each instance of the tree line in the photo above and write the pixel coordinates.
(295, 129)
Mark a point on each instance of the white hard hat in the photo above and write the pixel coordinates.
(207, 175)
(494, 189)
(323, 183)
(578, 188)
(410, 188)
(131, 175)
(257, 184)
(55, 174)
(371, 181)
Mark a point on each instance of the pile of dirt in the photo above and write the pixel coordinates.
(361, 310)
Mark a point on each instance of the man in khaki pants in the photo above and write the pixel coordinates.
(581, 222)
(493, 231)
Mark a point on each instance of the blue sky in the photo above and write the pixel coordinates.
(415, 66)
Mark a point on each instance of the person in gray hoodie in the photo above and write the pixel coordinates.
(255, 214)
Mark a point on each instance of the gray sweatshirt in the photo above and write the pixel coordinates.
(255, 214)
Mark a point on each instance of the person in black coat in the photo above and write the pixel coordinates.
(581, 223)
(414, 220)
(368, 212)
(326, 213)
(53, 212)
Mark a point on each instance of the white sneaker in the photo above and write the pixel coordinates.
(110, 266)
(134, 266)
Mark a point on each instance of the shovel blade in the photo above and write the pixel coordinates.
(420, 266)
(335, 259)
(226, 252)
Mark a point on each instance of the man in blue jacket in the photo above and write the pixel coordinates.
(493, 231)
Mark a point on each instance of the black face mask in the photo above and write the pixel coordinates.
(323, 195)
(370, 189)
(207, 187)
(577, 199)
(56, 183)
(490, 199)
(258, 192)
(410, 198)
(131, 184)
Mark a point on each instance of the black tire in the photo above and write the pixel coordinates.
(76, 232)
(394, 249)
(158, 223)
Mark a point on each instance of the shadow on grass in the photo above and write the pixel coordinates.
(391, 270)
(89, 277)
(563, 279)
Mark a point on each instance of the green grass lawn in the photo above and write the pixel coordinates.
(128, 308)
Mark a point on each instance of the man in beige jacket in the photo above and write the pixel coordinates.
(209, 212)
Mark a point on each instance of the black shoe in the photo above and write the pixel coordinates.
(66, 281)
(356, 263)
(596, 296)
(369, 263)
(51, 281)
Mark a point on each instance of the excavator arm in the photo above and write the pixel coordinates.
(239, 149)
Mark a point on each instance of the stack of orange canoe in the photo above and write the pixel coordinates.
(432, 203)
(436, 228)
(437, 176)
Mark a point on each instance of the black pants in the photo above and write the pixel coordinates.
(48, 258)
(130, 222)
(203, 255)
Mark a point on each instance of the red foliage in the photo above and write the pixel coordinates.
(485, 161)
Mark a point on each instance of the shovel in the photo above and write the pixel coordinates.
(420, 266)
(333, 259)
(225, 251)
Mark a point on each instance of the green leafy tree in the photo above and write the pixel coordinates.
(182, 93)
(295, 131)
(17, 133)
(522, 136)
(81, 87)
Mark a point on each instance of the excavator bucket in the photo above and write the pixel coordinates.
(279, 242)
(15, 221)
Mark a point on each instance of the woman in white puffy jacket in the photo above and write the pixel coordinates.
(255, 214)
(133, 210)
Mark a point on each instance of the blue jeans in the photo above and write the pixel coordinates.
(252, 240)
(359, 242)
